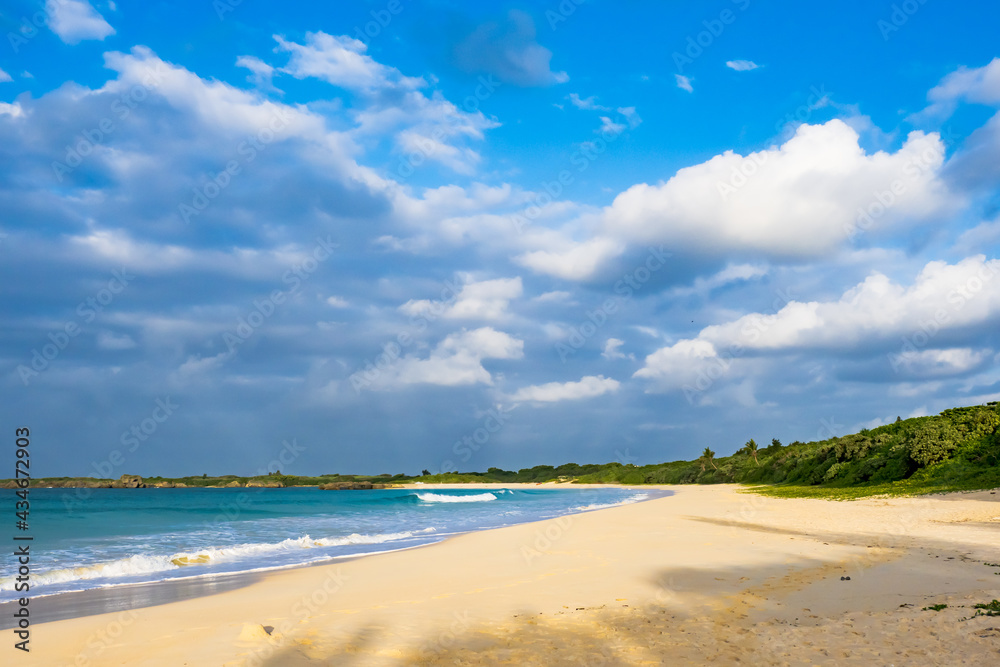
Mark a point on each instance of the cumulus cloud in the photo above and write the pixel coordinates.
(76, 20)
(876, 314)
(801, 199)
(684, 83)
(589, 386)
(4, 77)
(456, 361)
(508, 50)
(742, 65)
(485, 300)
(573, 261)
(341, 60)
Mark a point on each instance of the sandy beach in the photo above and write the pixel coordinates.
(708, 574)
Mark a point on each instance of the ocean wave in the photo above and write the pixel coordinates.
(141, 564)
(443, 498)
(628, 501)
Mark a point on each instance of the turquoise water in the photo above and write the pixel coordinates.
(110, 537)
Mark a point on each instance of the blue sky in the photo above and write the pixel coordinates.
(406, 235)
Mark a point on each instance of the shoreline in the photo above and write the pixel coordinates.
(69, 605)
(706, 572)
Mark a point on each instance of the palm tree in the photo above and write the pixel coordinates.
(751, 449)
(707, 457)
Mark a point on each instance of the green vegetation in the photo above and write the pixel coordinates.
(954, 451)
(935, 607)
(988, 609)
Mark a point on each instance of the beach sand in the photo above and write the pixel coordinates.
(707, 575)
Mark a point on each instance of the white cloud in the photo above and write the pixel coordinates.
(941, 363)
(588, 387)
(981, 236)
(979, 85)
(631, 117)
(557, 296)
(574, 261)
(341, 60)
(456, 361)
(14, 110)
(337, 301)
(742, 65)
(731, 274)
(485, 300)
(4, 77)
(612, 350)
(684, 83)
(610, 127)
(588, 103)
(877, 312)
(76, 20)
(802, 199)
(260, 72)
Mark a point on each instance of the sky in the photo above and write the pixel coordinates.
(389, 236)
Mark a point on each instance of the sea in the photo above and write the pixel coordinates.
(104, 538)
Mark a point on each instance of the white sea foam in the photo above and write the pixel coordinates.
(442, 498)
(140, 564)
(628, 501)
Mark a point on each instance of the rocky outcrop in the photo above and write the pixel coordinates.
(164, 485)
(264, 484)
(352, 486)
(233, 485)
(128, 482)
